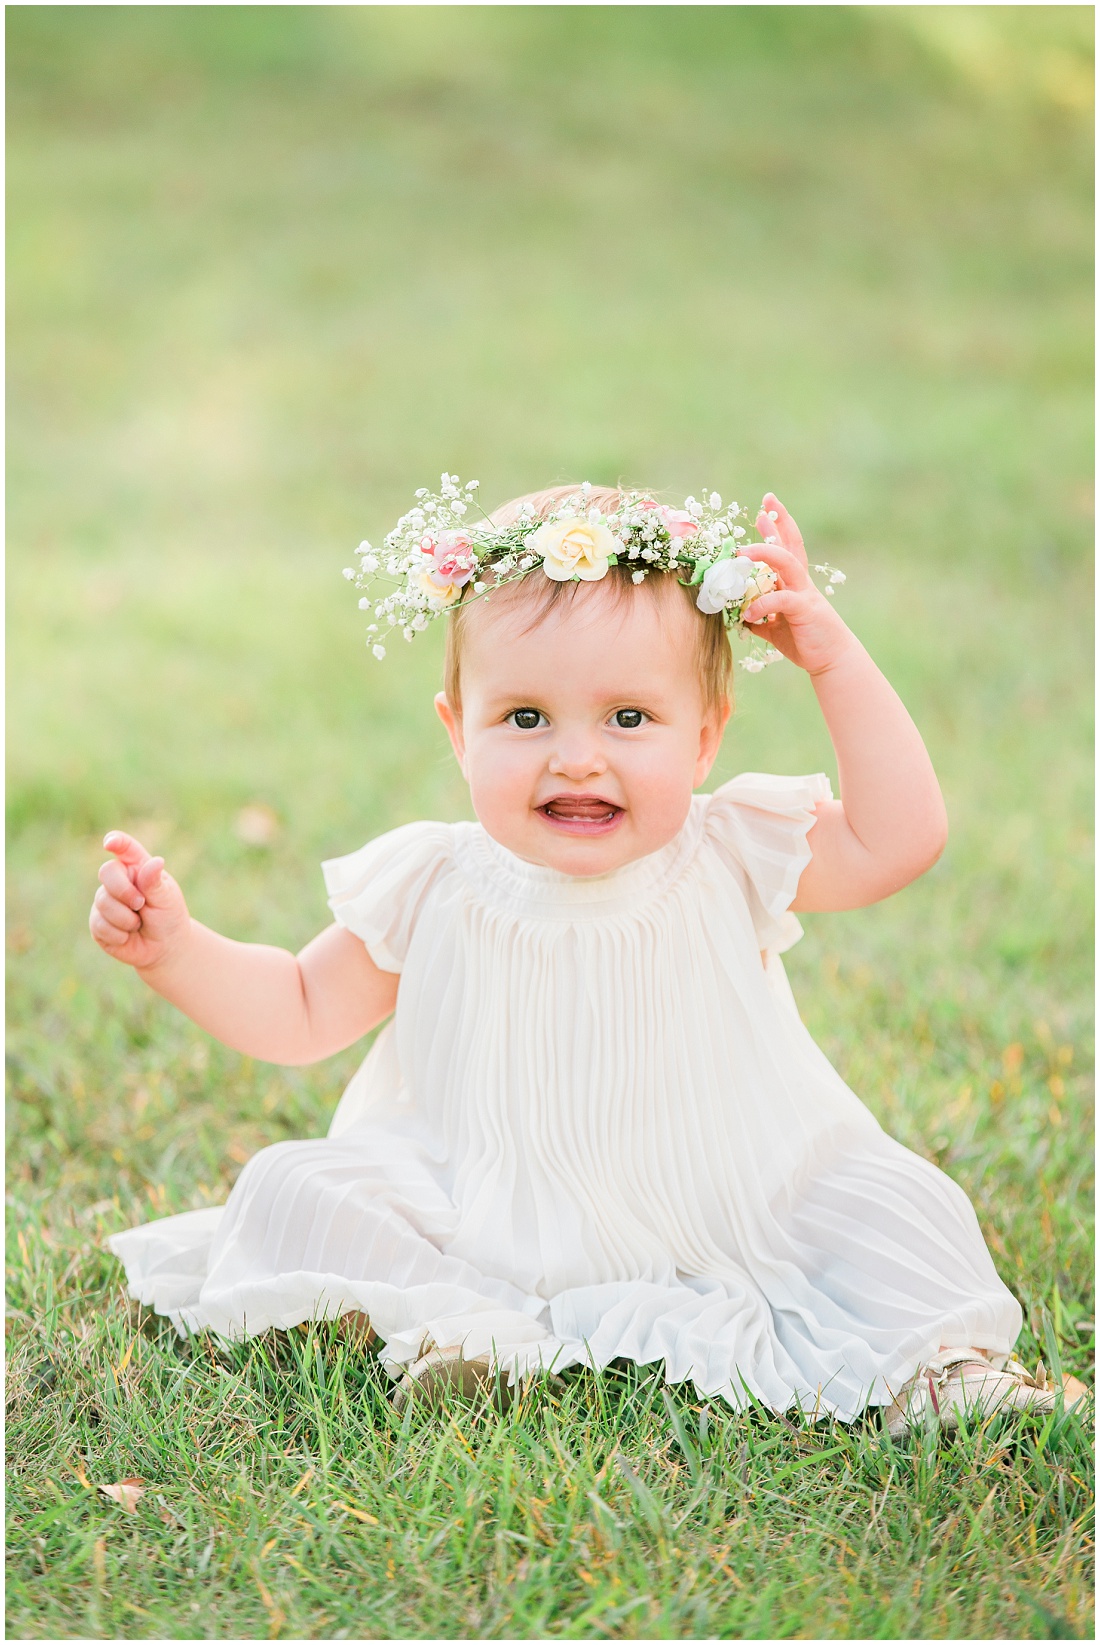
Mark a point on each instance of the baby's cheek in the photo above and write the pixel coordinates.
(660, 794)
(500, 784)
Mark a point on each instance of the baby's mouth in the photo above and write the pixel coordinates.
(581, 813)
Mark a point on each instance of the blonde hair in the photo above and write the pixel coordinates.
(712, 646)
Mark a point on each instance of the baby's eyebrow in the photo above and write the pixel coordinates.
(634, 697)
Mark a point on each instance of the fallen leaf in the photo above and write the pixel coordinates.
(169, 1516)
(127, 1493)
(256, 825)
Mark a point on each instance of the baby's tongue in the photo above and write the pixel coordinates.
(581, 808)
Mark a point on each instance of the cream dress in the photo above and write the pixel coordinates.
(597, 1128)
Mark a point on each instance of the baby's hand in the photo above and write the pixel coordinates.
(796, 617)
(139, 915)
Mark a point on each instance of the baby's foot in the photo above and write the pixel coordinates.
(427, 1380)
(965, 1382)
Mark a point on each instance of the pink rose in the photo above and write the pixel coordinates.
(679, 523)
(453, 559)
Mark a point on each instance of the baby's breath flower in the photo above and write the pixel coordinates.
(379, 651)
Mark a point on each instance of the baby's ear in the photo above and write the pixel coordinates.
(710, 738)
(452, 719)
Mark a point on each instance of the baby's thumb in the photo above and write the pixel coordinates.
(150, 880)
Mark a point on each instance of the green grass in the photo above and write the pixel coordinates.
(269, 269)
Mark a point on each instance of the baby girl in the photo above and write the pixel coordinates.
(595, 1127)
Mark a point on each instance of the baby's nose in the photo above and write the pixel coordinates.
(577, 759)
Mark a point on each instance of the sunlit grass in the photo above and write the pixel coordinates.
(270, 269)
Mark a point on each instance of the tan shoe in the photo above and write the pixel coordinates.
(427, 1380)
(967, 1383)
(355, 1328)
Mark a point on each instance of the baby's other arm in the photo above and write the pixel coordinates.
(262, 1001)
(890, 824)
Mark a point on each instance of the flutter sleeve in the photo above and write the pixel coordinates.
(378, 891)
(760, 825)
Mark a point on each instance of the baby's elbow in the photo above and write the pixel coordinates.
(929, 848)
(936, 843)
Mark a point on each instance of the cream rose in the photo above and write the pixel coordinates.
(573, 548)
(440, 596)
(762, 582)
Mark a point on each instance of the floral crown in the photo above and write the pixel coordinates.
(437, 555)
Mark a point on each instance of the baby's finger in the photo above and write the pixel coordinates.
(106, 935)
(130, 852)
(780, 603)
(116, 913)
(150, 877)
(790, 568)
(119, 884)
(782, 526)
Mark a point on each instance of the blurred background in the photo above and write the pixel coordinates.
(272, 268)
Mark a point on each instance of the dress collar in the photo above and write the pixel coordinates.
(527, 888)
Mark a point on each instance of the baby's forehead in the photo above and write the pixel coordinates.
(594, 626)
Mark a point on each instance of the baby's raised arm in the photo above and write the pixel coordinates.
(265, 1002)
(889, 824)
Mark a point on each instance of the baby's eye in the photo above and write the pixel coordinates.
(526, 719)
(628, 719)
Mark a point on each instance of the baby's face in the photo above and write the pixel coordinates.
(582, 738)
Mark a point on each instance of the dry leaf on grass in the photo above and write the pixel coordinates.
(169, 1515)
(127, 1493)
(256, 825)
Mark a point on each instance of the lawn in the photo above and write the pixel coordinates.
(270, 269)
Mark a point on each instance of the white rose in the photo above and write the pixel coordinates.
(724, 584)
(573, 548)
(730, 581)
